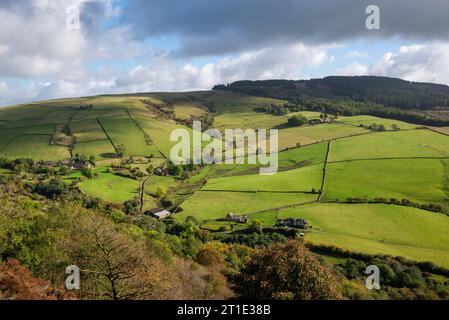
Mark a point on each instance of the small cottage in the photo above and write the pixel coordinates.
(237, 218)
(315, 121)
(158, 213)
(296, 223)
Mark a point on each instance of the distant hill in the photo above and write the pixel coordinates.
(390, 92)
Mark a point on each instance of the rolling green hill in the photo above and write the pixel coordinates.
(322, 166)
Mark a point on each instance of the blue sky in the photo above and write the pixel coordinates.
(174, 45)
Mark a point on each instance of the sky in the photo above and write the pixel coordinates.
(126, 46)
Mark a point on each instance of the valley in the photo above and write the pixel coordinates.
(370, 191)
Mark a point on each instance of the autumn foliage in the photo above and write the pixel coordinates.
(286, 271)
(17, 283)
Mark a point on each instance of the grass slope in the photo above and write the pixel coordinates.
(411, 143)
(205, 205)
(110, 187)
(369, 120)
(378, 229)
(37, 147)
(123, 130)
(421, 180)
(311, 134)
(301, 180)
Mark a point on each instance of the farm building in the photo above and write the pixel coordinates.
(158, 213)
(81, 166)
(161, 172)
(237, 218)
(47, 163)
(293, 223)
(315, 121)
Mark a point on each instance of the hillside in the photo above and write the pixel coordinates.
(367, 185)
(389, 92)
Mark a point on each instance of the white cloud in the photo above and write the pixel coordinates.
(426, 62)
(35, 42)
(163, 73)
(38, 44)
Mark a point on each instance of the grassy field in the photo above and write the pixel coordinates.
(311, 154)
(397, 144)
(37, 147)
(7, 136)
(110, 187)
(205, 205)
(300, 180)
(291, 159)
(256, 120)
(160, 132)
(164, 183)
(101, 149)
(289, 137)
(422, 180)
(369, 120)
(19, 113)
(122, 130)
(187, 111)
(56, 117)
(378, 229)
(443, 130)
(40, 129)
(89, 115)
(87, 130)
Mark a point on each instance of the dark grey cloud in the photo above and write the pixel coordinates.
(92, 15)
(18, 6)
(207, 27)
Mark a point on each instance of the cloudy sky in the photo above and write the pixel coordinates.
(179, 45)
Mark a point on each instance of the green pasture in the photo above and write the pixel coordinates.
(37, 147)
(6, 137)
(369, 120)
(396, 144)
(101, 149)
(291, 159)
(164, 183)
(298, 180)
(378, 229)
(20, 113)
(160, 132)
(40, 129)
(87, 130)
(207, 205)
(309, 134)
(110, 187)
(187, 111)
(422, 180)
(123, 130)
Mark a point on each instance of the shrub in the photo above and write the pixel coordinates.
(286, 270)
(297, 121)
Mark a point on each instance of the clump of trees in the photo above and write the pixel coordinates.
(17, 165)
(132, 258)
(127, 171)
(297, 120)
(368, 89)
(286, 271)
(435, 207)
(374, 127)
(120, 150)
(398, 280)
